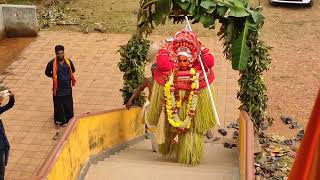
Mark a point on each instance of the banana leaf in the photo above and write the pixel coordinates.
(240, 49)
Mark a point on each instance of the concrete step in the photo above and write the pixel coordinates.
(172, 165)
(213, 153)
(138, 171)
(169, 163)
(139, 162)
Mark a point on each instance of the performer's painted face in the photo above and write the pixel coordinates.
(183, 63)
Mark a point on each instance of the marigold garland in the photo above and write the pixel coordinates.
(173, 106)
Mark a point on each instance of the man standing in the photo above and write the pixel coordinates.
(4, 143)
(61, 70)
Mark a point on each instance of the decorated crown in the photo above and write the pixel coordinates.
(183, 43)
(186, 43)
(184, 51)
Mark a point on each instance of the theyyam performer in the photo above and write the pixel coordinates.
(180, 105)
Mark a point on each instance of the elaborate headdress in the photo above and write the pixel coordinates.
(184, 51)
(186, 43)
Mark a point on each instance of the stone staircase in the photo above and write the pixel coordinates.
(138, 162)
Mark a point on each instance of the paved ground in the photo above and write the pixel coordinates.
(29, 125)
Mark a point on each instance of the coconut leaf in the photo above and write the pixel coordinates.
(238, 9)
(222, 10)
(237, 12)
(256, 16)
(192, 7)
(142, 18)
(207, 21)
(207, 4)
(184, 4)
(162, 10)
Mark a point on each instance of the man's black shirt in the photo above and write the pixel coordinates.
(64, 79)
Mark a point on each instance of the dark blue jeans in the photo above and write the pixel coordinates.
(2, 163)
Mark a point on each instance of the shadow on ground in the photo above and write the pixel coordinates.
(10, 48)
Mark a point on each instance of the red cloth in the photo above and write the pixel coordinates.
(306, 165)
(163, 61)
(183, 78)
(208, 60)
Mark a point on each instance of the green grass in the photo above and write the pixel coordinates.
(117, 16)
(120, 16)
(22, 2)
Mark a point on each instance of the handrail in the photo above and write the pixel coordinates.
(246, 163)
(246, 147)
(51, 160)
(250, 148)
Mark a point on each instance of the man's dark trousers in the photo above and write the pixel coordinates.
(2, 163)
(63, 109)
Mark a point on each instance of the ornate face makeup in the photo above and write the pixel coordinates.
(183, 63)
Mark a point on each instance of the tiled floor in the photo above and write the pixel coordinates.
(29, 125)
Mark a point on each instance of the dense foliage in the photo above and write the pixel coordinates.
(132, 63)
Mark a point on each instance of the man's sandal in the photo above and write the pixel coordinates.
(56, 136)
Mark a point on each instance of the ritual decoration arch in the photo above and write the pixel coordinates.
(240, 31)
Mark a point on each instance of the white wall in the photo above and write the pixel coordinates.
(2, 28)
(20, 20)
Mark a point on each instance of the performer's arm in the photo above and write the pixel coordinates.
(137, 93)
(208, 60)
(163, 61)
(49, 68)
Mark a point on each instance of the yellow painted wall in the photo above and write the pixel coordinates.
(93, 134)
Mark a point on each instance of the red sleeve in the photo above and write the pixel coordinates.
(163, 61)
(207, 59)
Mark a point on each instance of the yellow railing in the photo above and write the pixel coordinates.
(88, 135)
(246, 147)
(93, 133)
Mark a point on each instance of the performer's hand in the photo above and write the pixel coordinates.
(208, 59)
(129, 104)
(11, 94)
(204, 50)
